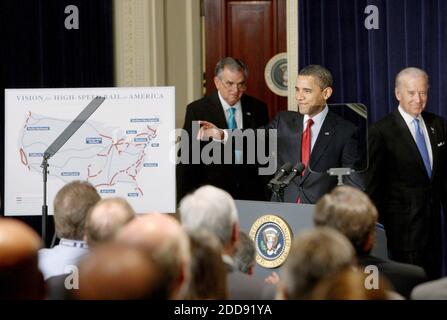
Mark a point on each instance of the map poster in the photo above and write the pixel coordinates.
(122, 149)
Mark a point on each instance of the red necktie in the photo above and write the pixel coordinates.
(306, 139)
(306, 143)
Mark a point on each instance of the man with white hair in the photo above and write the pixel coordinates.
(407, 173)
(214, 210)
(105, 220)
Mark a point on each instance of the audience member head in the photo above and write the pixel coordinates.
(71, 206)
(350, 284)
(351, 212)
(231, 79)
(105, 219)
(245, 257)
(119, 272)
(314, 255)
(163, 237)
(411, 90)
(208, 271)
(20, 277)
(214, 210)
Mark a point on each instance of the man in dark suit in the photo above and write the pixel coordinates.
(351, 212)
(315, 136)
(228, 108)
(407, 174)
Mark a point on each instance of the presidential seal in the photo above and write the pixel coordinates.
(275, 74)
(273, 237)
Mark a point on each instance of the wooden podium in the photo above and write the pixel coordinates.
(299, 217)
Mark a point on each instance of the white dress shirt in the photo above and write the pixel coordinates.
(53, 262)
(237, 114)
(409, 121)
(318, 123)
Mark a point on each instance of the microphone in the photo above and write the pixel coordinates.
(296, 171)
(284, 170)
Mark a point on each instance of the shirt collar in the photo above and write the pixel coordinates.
(225, 104)
(73, 243)
(407, 117)
(319, 118)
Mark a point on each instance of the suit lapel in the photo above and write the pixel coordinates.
(295, 148)
(431, 130)
(247, 116)
(216, 111)
(408, 140)
(325, 135)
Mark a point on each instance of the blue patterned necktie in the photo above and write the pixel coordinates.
(231, 119)
(420, 142)
(233, 125)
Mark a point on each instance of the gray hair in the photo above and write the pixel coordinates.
(212, 209)
(106, 218)
(411, 72)
(314, 255)
(71, 205)
(349, 211)
(245, 253)
(232, 64)
(322, 75)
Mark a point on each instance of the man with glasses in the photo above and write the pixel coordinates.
(230, 108)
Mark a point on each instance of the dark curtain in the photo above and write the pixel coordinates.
(364, 63)
(37, 51)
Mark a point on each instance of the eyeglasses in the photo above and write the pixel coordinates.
(242, 86)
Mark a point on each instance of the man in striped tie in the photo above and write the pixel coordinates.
(406, 178)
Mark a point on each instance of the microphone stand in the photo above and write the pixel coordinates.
(278, 190)
(278, 185)
(55, 146)
(44, 167)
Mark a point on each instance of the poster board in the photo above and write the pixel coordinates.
(123, 149)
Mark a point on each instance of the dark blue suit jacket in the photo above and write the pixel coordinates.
(334, 148)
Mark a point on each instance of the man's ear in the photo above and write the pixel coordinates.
(369, 243)
(397, 93)
(327, 93)
(217, 82)
(235, 234)
(251, 269)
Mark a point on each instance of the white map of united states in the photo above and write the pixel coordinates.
(107, 157)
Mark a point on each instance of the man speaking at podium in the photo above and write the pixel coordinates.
(315, 136)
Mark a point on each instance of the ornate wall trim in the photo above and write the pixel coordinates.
(292, 51)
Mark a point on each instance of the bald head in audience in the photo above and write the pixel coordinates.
(20, 277)
(105, 219)
(119, 272)
(163, 237)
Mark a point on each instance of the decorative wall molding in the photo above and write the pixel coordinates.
(139, 43)
(292, 51)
